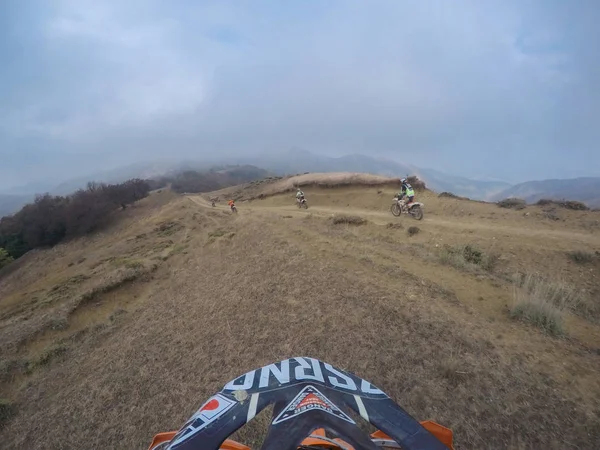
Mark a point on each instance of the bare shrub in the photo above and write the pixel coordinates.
(413, 230)
(567, 204)
(575, 205)
(512, 203)
(581, 256)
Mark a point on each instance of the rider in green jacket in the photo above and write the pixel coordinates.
(406, 189)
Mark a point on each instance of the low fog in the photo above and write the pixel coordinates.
(503, 89)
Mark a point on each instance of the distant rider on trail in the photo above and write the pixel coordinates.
(231, 204)
(406, 189)
(299, 195)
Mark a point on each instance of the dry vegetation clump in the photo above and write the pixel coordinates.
(468, 257)
(512, 203)
(217, 233)
(581, 256)
(567, 204)
(543, 303)
(349, 220)
(451, 195)
(395, 226)
(550, 214)
(7, 411)
(413, 230)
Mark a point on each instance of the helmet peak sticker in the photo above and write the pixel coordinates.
(308, 399)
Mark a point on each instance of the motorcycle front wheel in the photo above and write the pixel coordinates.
(396, 211)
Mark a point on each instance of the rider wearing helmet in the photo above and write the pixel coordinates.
(231, 203)
(406, 189)
(299, 195)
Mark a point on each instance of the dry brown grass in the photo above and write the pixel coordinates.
(468, 257)
(329, 180)
(395, 226)
(543, 303)
(277, 185)
(347, 220)
(363, 298)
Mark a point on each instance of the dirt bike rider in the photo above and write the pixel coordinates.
(299, 195)
(406, 189)
(231, 204)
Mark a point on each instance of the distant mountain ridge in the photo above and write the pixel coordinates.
(585, 189)
(297, 160)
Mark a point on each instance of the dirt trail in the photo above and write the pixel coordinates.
(382, 218)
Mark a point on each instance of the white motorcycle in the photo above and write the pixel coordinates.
(415, 209)
(302, 203)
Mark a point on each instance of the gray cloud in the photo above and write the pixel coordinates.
(503, 89)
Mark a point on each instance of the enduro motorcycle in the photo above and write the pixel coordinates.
(311, 404)
(302, 203)
(234, 209)
(415, 209)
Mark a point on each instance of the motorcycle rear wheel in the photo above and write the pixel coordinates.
(416, 212)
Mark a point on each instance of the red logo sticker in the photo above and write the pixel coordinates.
(310, 399)
(208, 413)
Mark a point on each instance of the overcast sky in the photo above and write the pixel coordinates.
(505, 89)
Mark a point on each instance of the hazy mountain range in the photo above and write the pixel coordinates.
(297, 161)
(585, 190)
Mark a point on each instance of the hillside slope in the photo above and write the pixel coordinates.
(109, 339)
